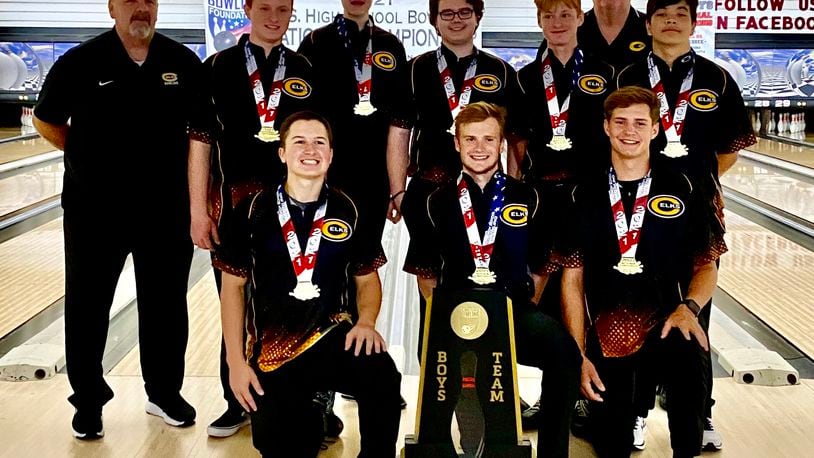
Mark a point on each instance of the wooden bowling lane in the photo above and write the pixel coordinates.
(772, 277)
(801, 155)
(31, 274)
(21, 149)
(30, 186)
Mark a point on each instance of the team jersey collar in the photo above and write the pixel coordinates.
(681, 66)
(451, 57)
(259, 52)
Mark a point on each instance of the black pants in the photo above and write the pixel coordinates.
(96, 245)
(679, 364)
(289, 424)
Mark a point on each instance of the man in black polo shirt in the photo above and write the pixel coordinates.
(301, 242)
(703, 119)
(362, 78)
(500, 216)
(614, 32)
(248, 90)
(562, 116)
(124, 192)
(640, 253)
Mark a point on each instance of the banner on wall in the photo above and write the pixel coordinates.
(703, 40)
(765, 16)
(406, 19)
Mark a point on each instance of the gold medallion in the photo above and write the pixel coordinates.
(469, 320)
(560, 143)
(629, 266)
(305, 290)
(364, 108)
(675, 149)
(483, 276)
(268, 134)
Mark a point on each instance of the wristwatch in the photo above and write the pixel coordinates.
(693, 306)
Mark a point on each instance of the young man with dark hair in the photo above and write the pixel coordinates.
(302, 242)
(703, 119)
(614, 32)
(639, 261)
(249, 89)
(484, 211)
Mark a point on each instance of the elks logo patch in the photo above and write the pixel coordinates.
(384, 60)
(170, 79)
(665, 206)
(703, 100)
(336, 230)
(593, 84)
(487, 83)
(637, 46)
(514, 215)
(297, 88)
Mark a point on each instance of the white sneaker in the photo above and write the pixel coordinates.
(712, 440)
(639, 428)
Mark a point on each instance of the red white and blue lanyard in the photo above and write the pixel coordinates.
(303, 263)
(481, 249)
(266, 110)
(559, 114)
(456, 103)
(364, 69)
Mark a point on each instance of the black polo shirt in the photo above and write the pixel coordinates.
(433, 147)
(127, 142)
(521, 243)
(590, 145)
(632, 44)
(678, 233)
(360, 142)
(252, 246)
(228, 117)
(716, 121)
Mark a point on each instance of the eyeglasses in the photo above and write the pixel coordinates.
(463, 14)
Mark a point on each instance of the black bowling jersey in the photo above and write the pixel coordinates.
(679, 232)
(495, 81)
(585, 118)
(520, 244)
(631, 45)
(716, 121)
(127, 142)
(360, 142)
(281, 327)
(228, 116)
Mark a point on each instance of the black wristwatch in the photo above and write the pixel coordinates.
(693, 306)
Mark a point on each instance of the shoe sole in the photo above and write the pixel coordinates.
(711, 447)
(88, 437)
(154, 409)
(215, 431)
(639, 447)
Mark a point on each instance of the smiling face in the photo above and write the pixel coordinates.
(306, 149)
(134, 18)
(270, 19)
(560, 24)
(456, 31)
(630, 130)
(479, 144)
(671, 25)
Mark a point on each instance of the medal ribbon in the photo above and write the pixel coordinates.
(267, 112)
(456, 103)
(364, 69)
(303, 264)
(673, 125)
(559, 115)
(628, 237)
(481, 250)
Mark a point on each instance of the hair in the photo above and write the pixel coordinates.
(304, 116)
(481, 111)
(476, 5)
(249, 3)
(653, 5)
(629, 96)
(549, 5)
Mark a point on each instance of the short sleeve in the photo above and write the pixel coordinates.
(233, 255)
(368, 254)
(736, 132)
(541, 238)
(514, 104)
(424, 255)
(402, 103)
(706, 231)
(55, 101)
(568, 244)
(203, 117)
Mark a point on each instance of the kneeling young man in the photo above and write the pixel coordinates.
(302, 243)
(641, 249)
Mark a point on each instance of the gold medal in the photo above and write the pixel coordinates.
(364, 108)
(560, 143)
(305, 290)
(675, 149)
(268, 134)
(483, 276)
(469, 320)
(629, 266)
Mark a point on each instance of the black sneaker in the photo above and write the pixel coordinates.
(531, 416)
(87, 425)
(228, 424)
(581, 420)
(175, 411)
